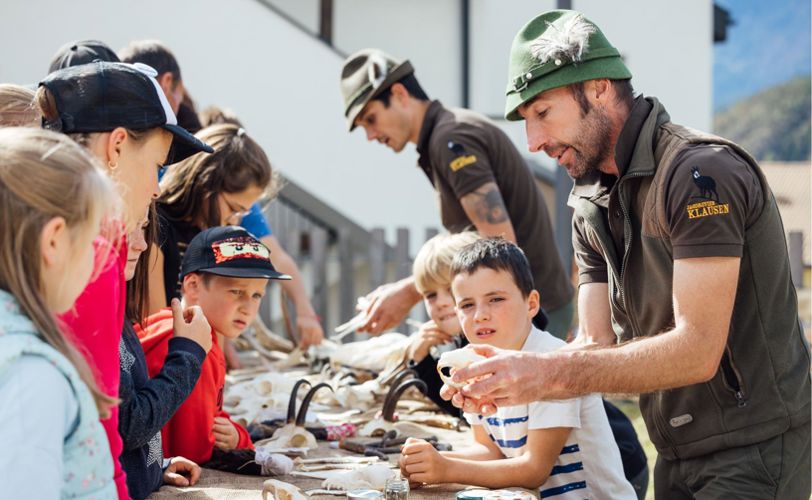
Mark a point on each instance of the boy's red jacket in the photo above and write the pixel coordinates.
(189, 433)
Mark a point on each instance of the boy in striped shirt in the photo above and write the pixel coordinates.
(563, 449)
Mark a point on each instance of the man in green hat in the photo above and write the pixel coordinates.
(482, 180)
(685, 294)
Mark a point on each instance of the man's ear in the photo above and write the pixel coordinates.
(533, 303)
(600, 89)
(190, 288)
(399, 93)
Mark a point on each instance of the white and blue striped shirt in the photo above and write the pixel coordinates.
(589, 465)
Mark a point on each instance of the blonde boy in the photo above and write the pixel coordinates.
(564, 449)
(432, 274)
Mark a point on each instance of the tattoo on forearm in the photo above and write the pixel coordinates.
(489, 206)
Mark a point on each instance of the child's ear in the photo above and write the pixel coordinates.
(533, 303)
(190, 288)
(53, 239)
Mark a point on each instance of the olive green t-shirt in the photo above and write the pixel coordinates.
(460, 151)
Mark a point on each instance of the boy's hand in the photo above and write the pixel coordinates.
(310, 331)
(428, 335)
(181, 472)
(421, 463)
(225, 435)
(191, 323)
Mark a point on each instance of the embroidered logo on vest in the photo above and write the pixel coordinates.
(707, 192)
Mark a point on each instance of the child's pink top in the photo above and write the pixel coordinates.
(96, 322)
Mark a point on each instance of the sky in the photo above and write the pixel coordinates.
(768, 44)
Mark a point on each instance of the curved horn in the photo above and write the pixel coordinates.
(398, 379)
(389, 406)
(292, 401)
(300, 418)
(403, 375)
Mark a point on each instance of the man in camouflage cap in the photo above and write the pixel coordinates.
(685, 294)
(482, 180)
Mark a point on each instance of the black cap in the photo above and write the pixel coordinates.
(101, 96)
(229, 251)
(82, 52)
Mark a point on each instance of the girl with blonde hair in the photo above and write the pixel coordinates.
(17, 106)
(53, 198)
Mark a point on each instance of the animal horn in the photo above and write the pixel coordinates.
(292, 401)
(397, 379)
(391, 403)
(403, 375)
(300, 418)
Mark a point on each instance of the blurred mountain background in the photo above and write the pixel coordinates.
(762, 92)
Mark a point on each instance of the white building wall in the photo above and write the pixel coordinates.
(668, 47)
(281, 82)
(427, 32)
(492, 30)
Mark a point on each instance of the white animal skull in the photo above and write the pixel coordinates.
(280, 490)
(293, 434)
(456, 360)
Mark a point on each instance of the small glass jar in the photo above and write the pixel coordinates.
(363, 494)
(396, 488)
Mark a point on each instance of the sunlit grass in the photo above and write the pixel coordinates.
(632, 410)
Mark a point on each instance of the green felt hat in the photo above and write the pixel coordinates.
(365, 75)
(558, 48)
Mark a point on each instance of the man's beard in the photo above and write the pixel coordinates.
(594, 143)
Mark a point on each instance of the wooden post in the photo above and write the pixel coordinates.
(403, 263)
(347, 275)
(377, 258)
(326, 21)
(420, 313)
(796, 258)
(292, 244)
(318, 255)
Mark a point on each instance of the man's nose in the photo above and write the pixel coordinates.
(536, 137)
(371, 134)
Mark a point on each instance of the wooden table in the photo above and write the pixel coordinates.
(227, 486)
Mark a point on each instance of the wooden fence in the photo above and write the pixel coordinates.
(338, 264)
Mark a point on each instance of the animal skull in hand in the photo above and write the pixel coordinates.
(452, 361)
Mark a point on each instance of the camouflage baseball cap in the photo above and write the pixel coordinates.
(365, 75)
(558, 48)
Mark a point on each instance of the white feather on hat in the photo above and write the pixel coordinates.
(569, 42)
